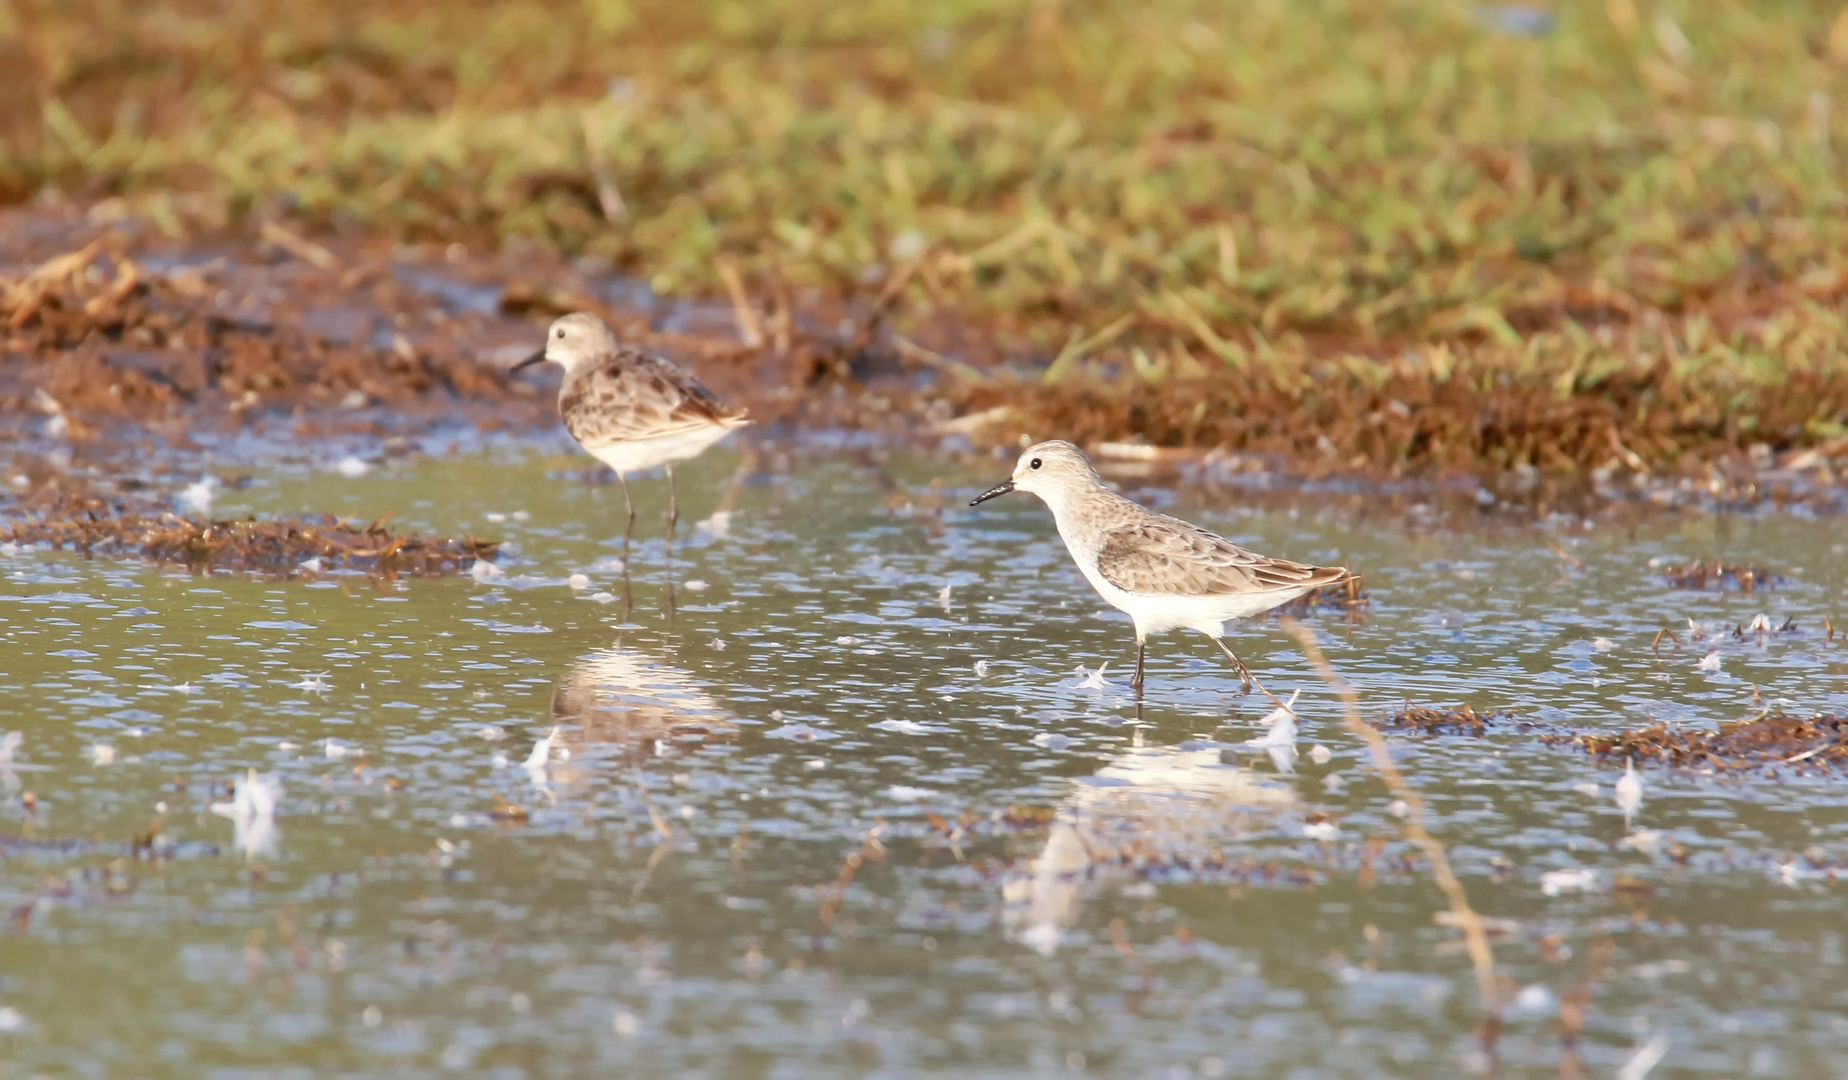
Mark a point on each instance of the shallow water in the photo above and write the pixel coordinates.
(848, 809)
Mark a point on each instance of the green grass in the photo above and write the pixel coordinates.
(1125, 199)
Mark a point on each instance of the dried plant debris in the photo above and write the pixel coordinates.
(105, 335)
(1770, 738)
(95, 525)
(1463, 720)
(1341, 596)
(1717, 574)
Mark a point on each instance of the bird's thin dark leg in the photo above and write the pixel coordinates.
(1142, 654)
(1246, 678)
(628, 510)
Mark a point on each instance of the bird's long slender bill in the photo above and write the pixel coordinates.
(999, 489)
(536, 358)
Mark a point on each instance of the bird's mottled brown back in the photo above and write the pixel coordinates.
(632, 395)
(1156, 555)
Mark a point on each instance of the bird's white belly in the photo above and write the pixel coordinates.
(1156, 614)
(632, 455)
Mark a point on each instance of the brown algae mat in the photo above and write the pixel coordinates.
(1461, 720)
(96, 525)
(1770, 738)
(1718, 574)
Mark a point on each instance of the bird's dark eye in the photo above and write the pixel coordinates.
(561, 333)
(1034, 464)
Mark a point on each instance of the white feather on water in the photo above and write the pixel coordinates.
(1280, 727)
(541, 757)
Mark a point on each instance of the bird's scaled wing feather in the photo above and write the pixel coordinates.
(636, 396)
(1169, 557)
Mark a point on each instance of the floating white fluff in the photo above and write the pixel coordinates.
(1321, 830)
(1576, 879)
(1629, 791)
(1644, 1059)
(352, 468)
(198, 497)
(252, 811)
(485, 571)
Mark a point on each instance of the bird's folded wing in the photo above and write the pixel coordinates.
(637, 396)
(1169, 557)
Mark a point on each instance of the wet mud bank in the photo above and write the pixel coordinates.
(114, 329)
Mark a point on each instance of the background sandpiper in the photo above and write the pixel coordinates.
(1164, 573)
(631, 410)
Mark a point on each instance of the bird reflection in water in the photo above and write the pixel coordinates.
(623, 705)
(1150, 807)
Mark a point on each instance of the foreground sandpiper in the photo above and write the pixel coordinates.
(1164, 573)
(631, 410)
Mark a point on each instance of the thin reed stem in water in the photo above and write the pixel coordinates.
(1475, 936)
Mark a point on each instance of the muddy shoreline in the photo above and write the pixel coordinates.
(121, 341)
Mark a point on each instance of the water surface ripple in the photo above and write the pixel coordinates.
(852, 809)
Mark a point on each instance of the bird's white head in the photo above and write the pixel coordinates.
(1050, 470)
(573, 341)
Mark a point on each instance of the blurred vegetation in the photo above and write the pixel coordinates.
(1153, 213)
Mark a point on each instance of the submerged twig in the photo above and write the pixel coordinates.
(870, 848)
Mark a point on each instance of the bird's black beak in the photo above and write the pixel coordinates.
(536, 358)
(999, 489)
